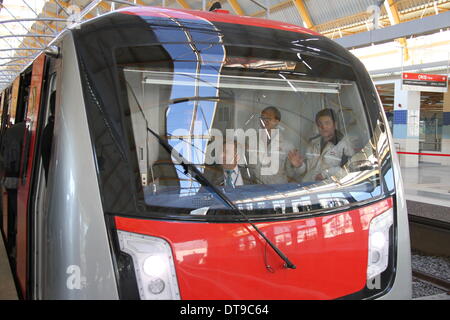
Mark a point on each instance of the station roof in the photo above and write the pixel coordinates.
(28, 26)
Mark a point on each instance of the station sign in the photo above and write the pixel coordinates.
(424, 82)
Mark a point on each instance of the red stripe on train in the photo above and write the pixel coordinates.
(214, 17)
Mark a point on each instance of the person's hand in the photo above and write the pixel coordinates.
(319, 177)
(295, 158)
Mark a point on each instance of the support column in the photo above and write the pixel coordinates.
(446, 129)
(406, 124)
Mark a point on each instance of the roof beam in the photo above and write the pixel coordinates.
(47, 13)
(19, 20)
(356, 22)
(236, 7)
(138, 2)
(105, 6)
(51, 18)
(394, 18)
(29, 7)
(273, 8)
(304, 14)
(392, 11)
(184, 4)
(31, 43)
(404, 29)
(22, 49)
(31, 19)
(414, 68)
(64, 6)
(24, 40)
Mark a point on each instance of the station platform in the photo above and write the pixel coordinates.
(7, 287)
(427, 191)
(428, 186)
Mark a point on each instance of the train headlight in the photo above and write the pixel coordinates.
(379, 243)
(153, 264)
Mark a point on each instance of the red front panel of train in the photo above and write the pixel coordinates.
(228, 260)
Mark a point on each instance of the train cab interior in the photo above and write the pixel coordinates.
(191, 106)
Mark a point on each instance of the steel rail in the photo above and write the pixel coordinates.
(435, 224)
(432, 279)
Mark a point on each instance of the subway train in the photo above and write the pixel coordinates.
(111, 142)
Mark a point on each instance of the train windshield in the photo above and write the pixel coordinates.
(277, 132)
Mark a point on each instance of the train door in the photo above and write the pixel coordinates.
(14, 99)
(8, 115)
(31, 108)
(2, 103)
(12, 148)
(6, 101)
(3, 98)
(40, 179)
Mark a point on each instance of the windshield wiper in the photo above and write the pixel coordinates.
(197, 175)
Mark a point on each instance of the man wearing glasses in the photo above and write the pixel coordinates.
(228, 172)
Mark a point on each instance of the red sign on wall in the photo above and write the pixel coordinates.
(424, 82)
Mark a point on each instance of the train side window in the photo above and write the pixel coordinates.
(5, 110)
(24, 94)
(12, 150)
(5, 113)
(15, 134)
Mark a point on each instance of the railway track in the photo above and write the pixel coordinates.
(427, 237)
(432, 280)
(437, 225)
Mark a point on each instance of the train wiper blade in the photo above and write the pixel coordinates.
(197, 175)
(194, 98)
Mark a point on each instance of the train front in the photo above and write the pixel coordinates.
(216, 174)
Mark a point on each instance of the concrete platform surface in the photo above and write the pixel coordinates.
(7, 287)
(428, 183)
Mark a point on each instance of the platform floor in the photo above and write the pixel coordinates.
(429, 184)
(7, 287)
